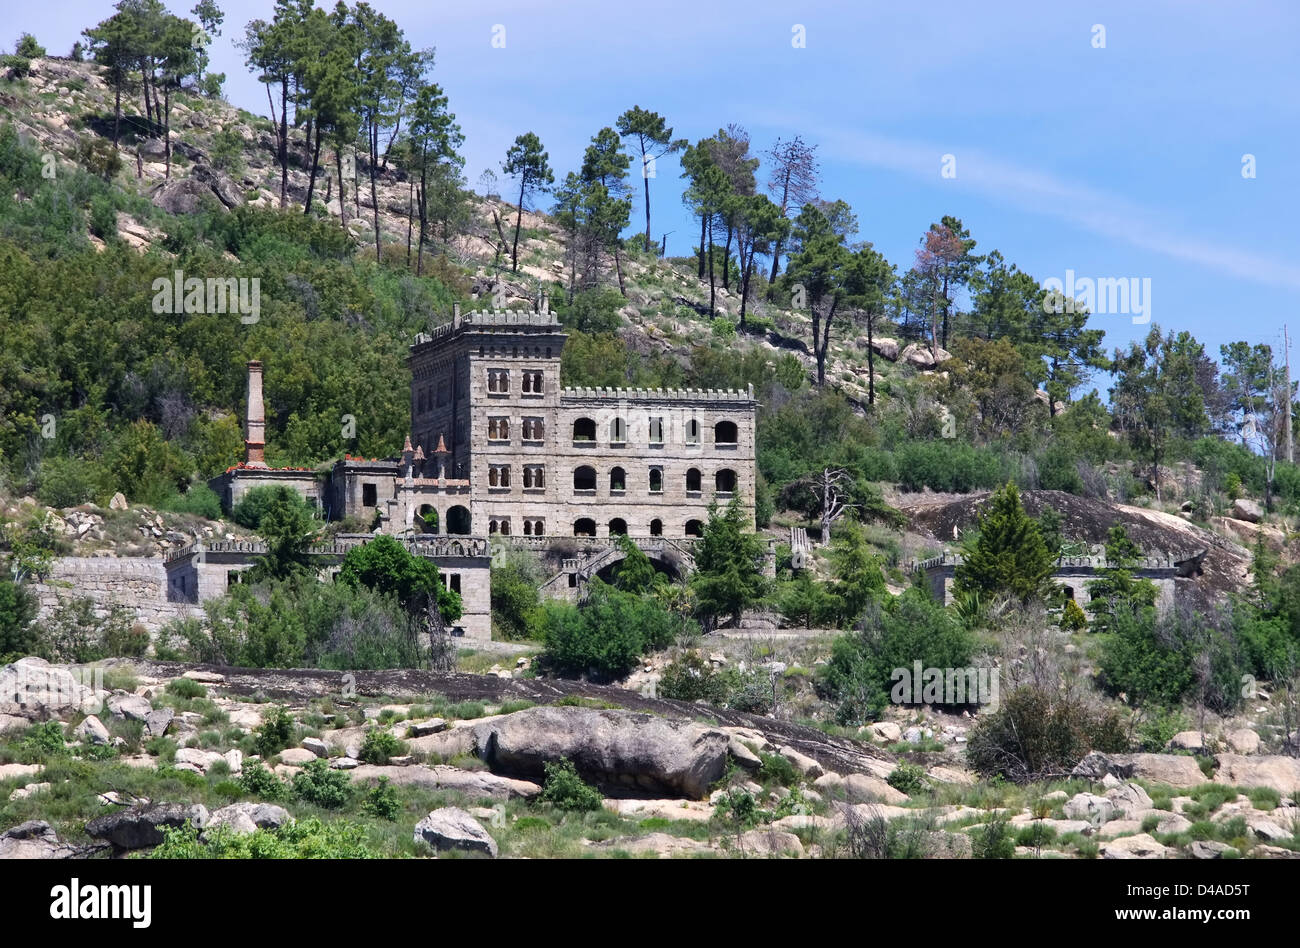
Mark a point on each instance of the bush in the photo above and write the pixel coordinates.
(907, 778)
(950, 466)
(28, 47)
(516, 609)
(379, 745)
(64, 482)
(607, 634)
(103, 217)
(302, 839)
(993, 840)
(320, 786)
(592, 311)
(42, 742)
(18, 608)
(382, 801)
(18, 66)
(75, 633)
(908, 629)
(186, 688)
(690, 677)
(1037, 735)
(200, 500)
(723, 327)
(256, 781)
(275, 733)
(778, 769)
(566, 790)
(255, 504)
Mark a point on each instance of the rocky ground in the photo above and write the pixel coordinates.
(103, 761)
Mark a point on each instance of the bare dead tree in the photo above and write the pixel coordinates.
(794, 178)
(831, 488)
(442, 650)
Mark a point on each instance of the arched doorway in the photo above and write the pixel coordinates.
(458, 521)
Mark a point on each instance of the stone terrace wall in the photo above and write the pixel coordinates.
(138, 583)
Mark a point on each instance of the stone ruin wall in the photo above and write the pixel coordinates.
(138, 583)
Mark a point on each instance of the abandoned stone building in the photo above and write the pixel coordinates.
(498, 447)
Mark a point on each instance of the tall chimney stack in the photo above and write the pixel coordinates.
(255, 431)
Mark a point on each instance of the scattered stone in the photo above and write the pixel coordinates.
(32, 689)
(1280, 773)
(1141, 846)
(425, 728)
(129, 707)
(27, 791)
(808, 767)
(1243, 740)
(1173, 823)
(315, 745)
(205, 677)
(201, 760)
(1268, 830)
(1209, 849)
(886, 731)
(9, 771)
(1248, 510)
(235, 761)
(34, 839)
(452, 828)
(473, 783)
(344, 763)
(1130, 800)
(141, 826)
(118, 502)
(770, 842)
(248, 817)
(1176, 770)
(1090, 808)
(156, 722)
(1188, 740)
(93, 730)
(745, 758)
(297, 756)
(696, 811)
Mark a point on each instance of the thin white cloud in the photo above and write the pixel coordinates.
(1090, 208)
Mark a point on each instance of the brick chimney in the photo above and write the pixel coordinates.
(255, 430)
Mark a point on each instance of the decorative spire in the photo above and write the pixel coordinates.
(442, 446)
(406, 447)
(419, 453)
(255, 428)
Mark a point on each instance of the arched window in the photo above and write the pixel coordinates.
(693, 480)
(534, 476)
(725, 481)
(617, 480)
(694, 528)
(534, 429)
(458, 521)
(585, 527)
(498, 429)
(724, 432)
(656, 480)
(656, 528)
(584, 478)
(584, 429)
(692, 431)
(618, 527)
(528, 528)
(498, 381)
(498, 475)
(427, 522)
(617, 431)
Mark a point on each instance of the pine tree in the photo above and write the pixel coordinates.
(728, 565)
(654, 140)
(527, 161)
(1009, 555)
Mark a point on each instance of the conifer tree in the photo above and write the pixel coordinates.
(1009, 555)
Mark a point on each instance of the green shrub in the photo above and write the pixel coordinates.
(723, 327)
(379, 745)
(64, 482)
(254, 505)
(302, 839)
(690, 677)
(566, 790)
(382, 801)
(993, 840)
(186, 688)
(606, 634)
(200, 500)
(1035, 734)
(275, 733)
(776, 768)
(18, 608)
(320, 786)
(41, 743)
(907, 778)
(256, 781)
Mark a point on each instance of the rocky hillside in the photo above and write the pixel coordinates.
(201, 760)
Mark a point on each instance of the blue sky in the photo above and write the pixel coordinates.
(1123, 161)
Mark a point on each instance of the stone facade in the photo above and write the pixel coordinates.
(138, 583)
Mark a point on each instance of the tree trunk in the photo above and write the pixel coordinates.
(284, 142)
(117, 114)
(645, 182)
(726, 260)
(618, 268)
(374, 193)
(167, 128)
(871, 359)
(703, 226)
(712, 291)
(311, 184)
(519, 220)
(343, 193)
(410, 218)
(744, 288)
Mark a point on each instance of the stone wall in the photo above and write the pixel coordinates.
(138, 583)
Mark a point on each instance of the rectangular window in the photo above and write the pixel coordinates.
(656, 480)
(656, 430)
(455, 582)
(692, 432)
(498, 429)
(499, 475)
(368, 495)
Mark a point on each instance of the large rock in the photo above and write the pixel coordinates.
(859, 788)
(248, 817)
(92, 730)
(1209, 849)
(453, 828)
(1175, 770)
(770, 842)
(1129, 800)
(1248, 510)
(885, 347)
(181, 195)
(619, 750)
(35, 690)
(129, 707)
(142, 826)
(156, 722)
(34, 839)
(197, 758)
(1243, 740)
(1089, 808)
(1141, 846)
(886, 731)
(297, 756)
(922, 357)
(1280, 773)
(1187, 740)
(474, 783)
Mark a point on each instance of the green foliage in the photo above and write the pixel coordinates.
(1035, 734)
(256, 781)
(805, 601)
(728, 574)
(254, 506)
(777, 769)
(593, 310)
(303, 839)
(1073, 619)
(42, 743)
(723, 327)
(275, 733)
(382, 801)
(566, 790)
(994, 839)
(607, 633)
(18, 607)
(75, 632)
(320, 786)
(200, 500)
(387, 567)
(634, 573)
(947, 465)
(186, 688)
(1009, 555)
(907, 778)
(65, 482)
(516, 601)
(380, 745)
(28, 47)
(690, 677)
(907, 629)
